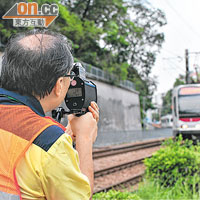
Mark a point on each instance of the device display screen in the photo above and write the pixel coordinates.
(74, 92)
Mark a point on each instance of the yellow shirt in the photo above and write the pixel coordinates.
(52, 174)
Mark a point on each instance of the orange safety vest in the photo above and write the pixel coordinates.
(19, 126)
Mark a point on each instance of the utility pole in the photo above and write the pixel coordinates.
(197, 74)
(187, 66)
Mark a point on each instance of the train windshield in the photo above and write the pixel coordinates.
(189, 105)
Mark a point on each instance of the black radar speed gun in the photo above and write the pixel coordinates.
(80, 94)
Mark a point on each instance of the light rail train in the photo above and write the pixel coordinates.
(186, 111)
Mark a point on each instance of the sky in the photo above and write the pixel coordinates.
(181, 32)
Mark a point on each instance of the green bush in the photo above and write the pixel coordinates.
(114, 195)
(176, 160)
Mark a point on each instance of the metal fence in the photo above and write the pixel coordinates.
(99, 74)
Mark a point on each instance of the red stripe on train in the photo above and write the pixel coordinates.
(189, 119)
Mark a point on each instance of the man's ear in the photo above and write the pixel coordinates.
(58, 87)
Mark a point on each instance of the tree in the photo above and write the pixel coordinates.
(125, 41)
(179, 81)
(119, 36)
(6, 26)
(167, 98)
(166, 104)
(145, 43)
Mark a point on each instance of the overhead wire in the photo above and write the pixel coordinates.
(171, 64)
(179, 35)
(185, 40)
(175, 28)
(183, 19)
(177, 67)
(172, 53)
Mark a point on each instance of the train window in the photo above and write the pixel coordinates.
(175, 106)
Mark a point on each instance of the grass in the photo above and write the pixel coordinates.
(151, 190)
(180, 191)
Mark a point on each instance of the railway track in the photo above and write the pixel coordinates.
(127, 182)
(132, 178)
(115, 168)
(124, 149)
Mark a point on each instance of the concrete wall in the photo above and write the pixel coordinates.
(119, 108)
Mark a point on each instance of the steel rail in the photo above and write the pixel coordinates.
(118, 167)
(132, 180)
(119, 150)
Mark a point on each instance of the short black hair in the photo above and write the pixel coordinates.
(34, 69)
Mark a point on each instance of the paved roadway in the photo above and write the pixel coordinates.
(112, 138)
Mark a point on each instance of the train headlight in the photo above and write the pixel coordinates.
(197, 126)
(184, 126)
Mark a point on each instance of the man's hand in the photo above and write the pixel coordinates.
(94, 109)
